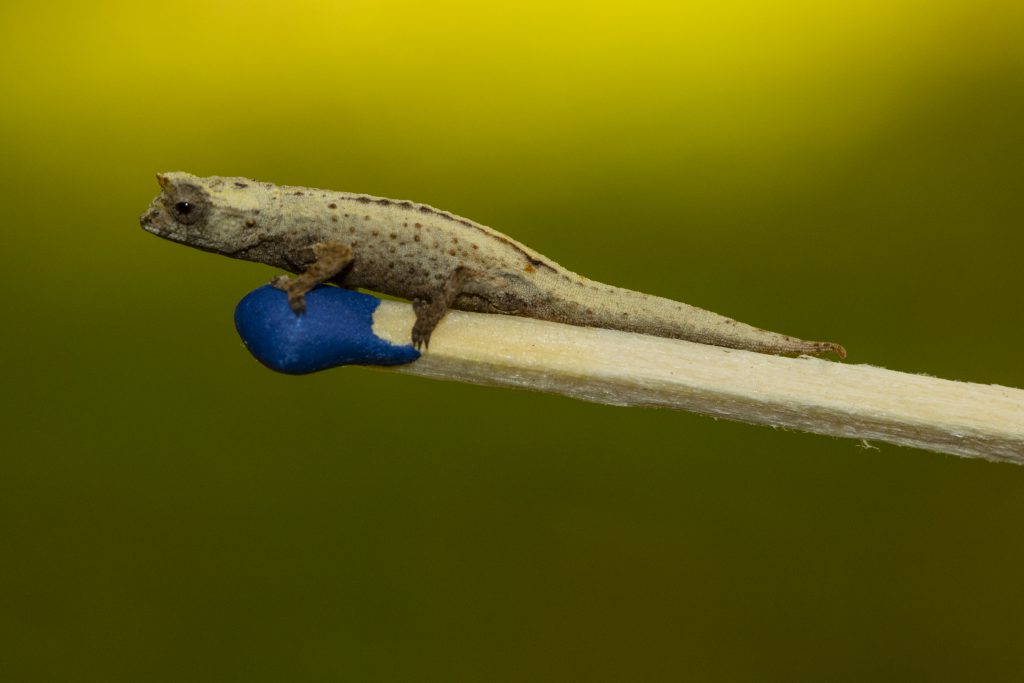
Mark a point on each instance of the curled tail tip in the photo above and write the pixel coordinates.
(832, 347)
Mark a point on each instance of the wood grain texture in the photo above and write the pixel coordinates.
(808, 394)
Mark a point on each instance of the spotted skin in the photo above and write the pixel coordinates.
(431, 257)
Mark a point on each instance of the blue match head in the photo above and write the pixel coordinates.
(336, 329)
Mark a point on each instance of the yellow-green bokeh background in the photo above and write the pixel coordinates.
(170, 510)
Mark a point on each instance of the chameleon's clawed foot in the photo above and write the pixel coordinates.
(330, 258)
(420, 340)
(430, 311)
(294, 289)
(424, 325)
(297, 302)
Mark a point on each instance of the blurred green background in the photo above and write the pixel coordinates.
(170, 510)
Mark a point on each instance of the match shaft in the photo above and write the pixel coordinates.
(808, 394)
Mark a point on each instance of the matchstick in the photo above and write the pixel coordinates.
(625, 369)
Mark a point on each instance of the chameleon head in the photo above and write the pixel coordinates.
(213, 214)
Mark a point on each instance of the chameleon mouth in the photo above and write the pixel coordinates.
(149, 223)
(155, 222)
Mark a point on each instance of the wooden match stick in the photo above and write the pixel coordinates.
(620, 368)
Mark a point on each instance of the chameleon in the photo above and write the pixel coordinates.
(433, 258)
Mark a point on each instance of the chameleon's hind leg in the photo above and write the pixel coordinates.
(430, 311)
(330, 258)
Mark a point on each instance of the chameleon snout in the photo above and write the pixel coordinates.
(150, 221)
(146, 220)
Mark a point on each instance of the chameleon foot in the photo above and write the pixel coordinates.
(330, 259)
(430, 311)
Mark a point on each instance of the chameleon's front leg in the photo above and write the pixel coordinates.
(330, 258)
(430, 311)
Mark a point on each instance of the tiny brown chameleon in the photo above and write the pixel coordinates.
(434, 258)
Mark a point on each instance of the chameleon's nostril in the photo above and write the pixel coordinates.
(148, 220)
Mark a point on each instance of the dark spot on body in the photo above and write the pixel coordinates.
(384, 202)
(391, 249)
(393, 235)
(334, 219)
(475, 246)
(451, 252)
(298, 193)
(529, 268)
(364, 200)
(241, 185)
(406, 204)
(391, 265)
(332, 205)
(425, 209)
(375, 233)
(417, 226)
(250, 223)
(416, 237)
(366, 218)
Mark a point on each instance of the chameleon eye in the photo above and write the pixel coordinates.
(188, 211)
